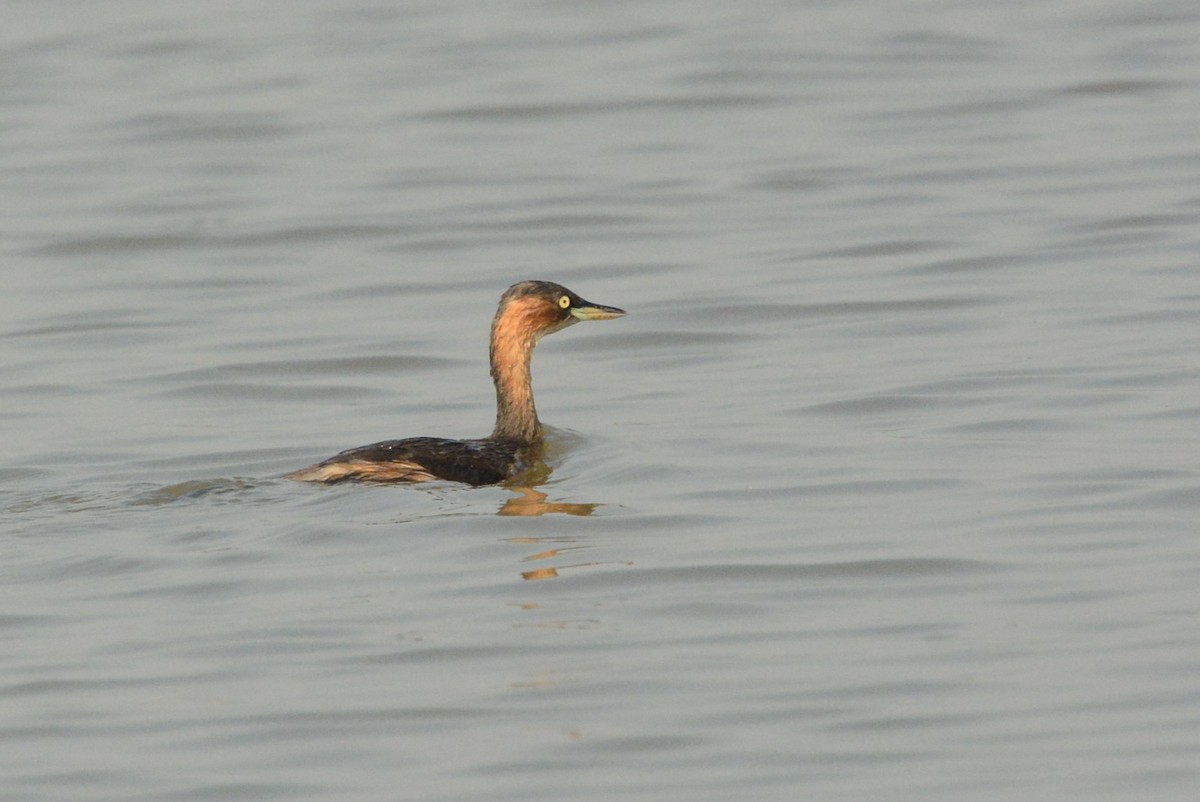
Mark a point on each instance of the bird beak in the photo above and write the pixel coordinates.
(590, 311)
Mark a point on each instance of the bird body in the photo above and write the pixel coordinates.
(528, 311)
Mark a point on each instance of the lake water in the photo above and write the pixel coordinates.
(886, 488)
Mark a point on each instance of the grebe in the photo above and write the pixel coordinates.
(528, 310)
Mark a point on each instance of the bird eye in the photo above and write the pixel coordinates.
(564, 302)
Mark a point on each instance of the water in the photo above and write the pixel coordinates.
(885, 488)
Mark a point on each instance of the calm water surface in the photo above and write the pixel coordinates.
(887, 486)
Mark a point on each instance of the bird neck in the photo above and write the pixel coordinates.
(511, 350)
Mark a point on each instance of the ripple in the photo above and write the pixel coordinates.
(526, 111)
(901, 568)
(876, 405)
(193, 489)
(338, 366)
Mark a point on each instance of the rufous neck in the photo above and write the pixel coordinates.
(511, 350)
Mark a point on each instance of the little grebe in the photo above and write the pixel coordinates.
(528, 311)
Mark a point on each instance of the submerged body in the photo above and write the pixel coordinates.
(528, 311)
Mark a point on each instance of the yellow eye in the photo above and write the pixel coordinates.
(564, 302)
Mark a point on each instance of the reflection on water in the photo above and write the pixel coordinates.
(551, 572)
(540, 573)
(533, 502)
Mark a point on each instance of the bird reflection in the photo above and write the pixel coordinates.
(533, 502)
(554, 571)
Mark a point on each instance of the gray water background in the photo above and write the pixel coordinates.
(886, 488)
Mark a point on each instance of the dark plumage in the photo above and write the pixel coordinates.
(528, 311)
